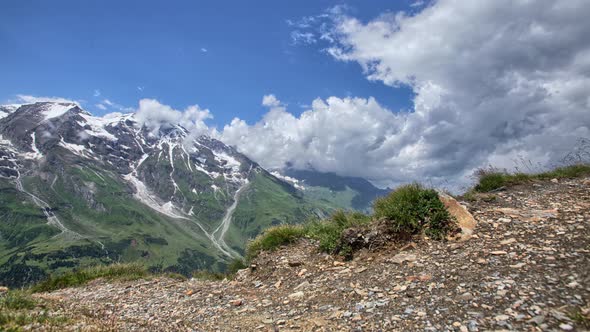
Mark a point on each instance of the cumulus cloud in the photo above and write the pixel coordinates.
(28, 99)
(494, 80)
(155, 116)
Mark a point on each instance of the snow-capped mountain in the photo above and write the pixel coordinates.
(76, 189)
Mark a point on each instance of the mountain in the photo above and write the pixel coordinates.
(349, 193)
(77, 190)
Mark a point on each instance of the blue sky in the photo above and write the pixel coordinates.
(493, 81)
(222, 55)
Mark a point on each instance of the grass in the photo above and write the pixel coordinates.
(490, 179)
(328, 232)
(17, 300)
(581, 318)
(18, 309)
(273, 238)
(410, 209)
(123, 272)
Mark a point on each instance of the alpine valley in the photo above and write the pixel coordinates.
(78, 190)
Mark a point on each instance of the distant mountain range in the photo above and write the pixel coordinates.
(77, 190)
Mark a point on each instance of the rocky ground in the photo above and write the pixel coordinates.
(526, 268)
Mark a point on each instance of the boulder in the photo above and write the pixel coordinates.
(464, 219)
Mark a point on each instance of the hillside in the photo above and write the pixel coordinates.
(525, 268)
(79, 190)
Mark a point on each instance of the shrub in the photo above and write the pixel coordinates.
(329, 232)
(273, 238)
(79, 277)
(412, 209)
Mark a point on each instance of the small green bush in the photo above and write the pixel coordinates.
(413, 209)
(273, 238)
(328, 232)
(122, 272)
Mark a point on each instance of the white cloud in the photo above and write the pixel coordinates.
(270, 101)
(96, 93)
(101, 106)
(204, 50)
(140, 88)
(28, 99)
(299, 37)
(155, 116)
(494, 80)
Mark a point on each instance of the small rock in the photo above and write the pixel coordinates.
(508, 241)
(501, 318)
(566, 327)
(302, 285)
(296, 295)
(236, 303)
(537, 320)
(465, 297)
(498, 252)
(554, 180)
(401, 258)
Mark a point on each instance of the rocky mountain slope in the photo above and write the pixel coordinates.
(525, 268)
(334, 190)
(78, 190)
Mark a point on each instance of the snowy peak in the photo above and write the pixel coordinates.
(7, 109)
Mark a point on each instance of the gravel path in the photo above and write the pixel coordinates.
(527, 268)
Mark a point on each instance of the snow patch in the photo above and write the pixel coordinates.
(230, 162)
(36, 153)
(76, 149)
(97, 126)
(55, 110)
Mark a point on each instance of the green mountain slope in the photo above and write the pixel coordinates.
(76, 190)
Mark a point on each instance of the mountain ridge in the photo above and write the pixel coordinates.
(105, 189)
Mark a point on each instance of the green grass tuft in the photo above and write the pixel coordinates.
(273, 238)
(123, 272)
(329, 232)
(17, 300)
(491, 178)
(412, 209)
